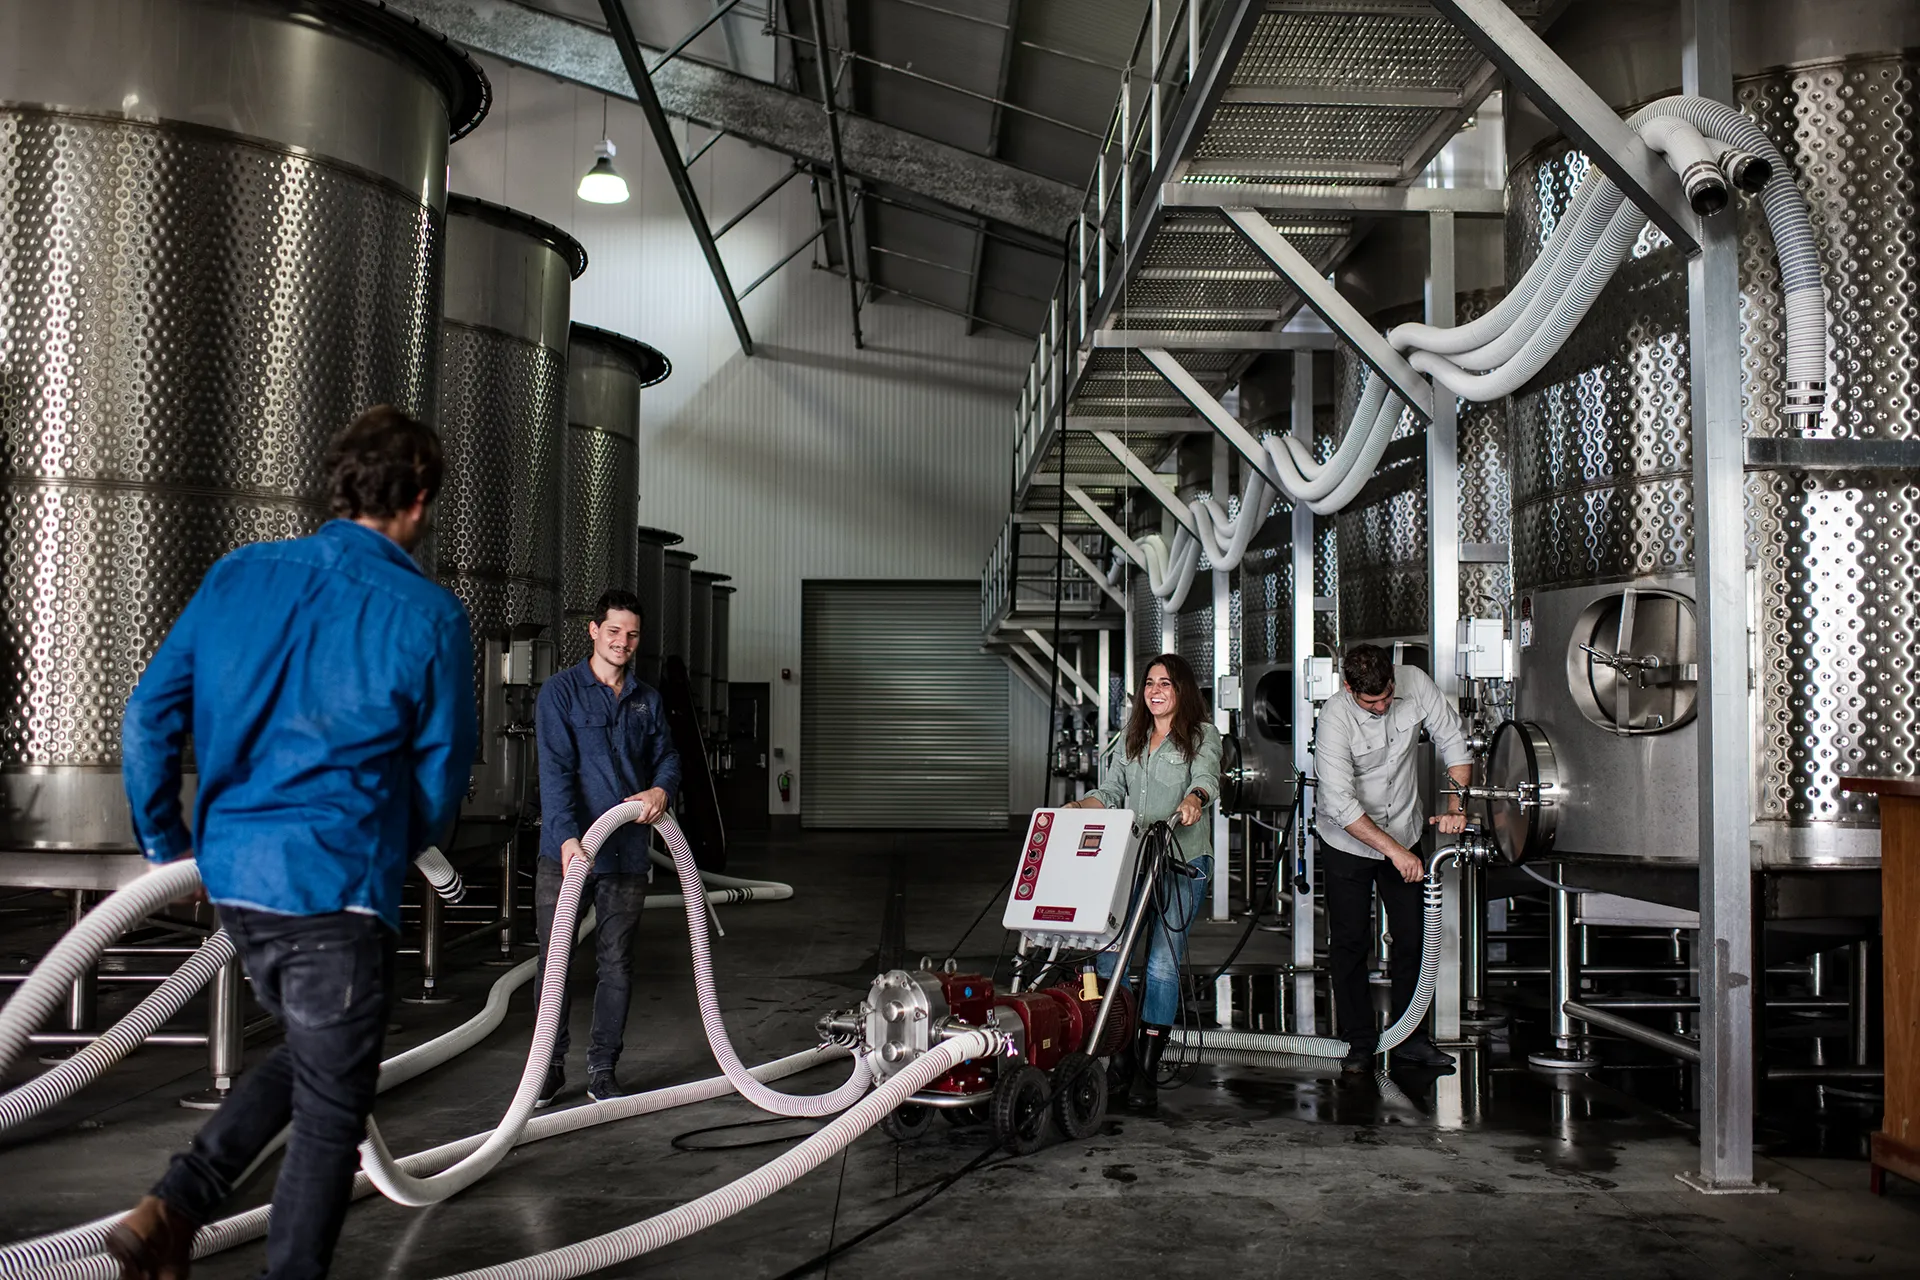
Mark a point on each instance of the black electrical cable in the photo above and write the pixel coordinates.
(680, 1141)
(998, 894)
(821, 1259)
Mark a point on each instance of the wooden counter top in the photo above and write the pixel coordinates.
(1883, 786)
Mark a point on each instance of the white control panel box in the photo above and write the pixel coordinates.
(1322, 681)
(1075, 874)
(1484, 653)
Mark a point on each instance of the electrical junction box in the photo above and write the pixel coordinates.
(1075, 875)
(1322, 682)
(1484, 653)
(1227, 693)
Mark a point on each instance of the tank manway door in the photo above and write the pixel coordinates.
(1522, 791)
(1633, 664)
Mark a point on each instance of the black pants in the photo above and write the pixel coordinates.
(1350, 881)
(617, 901)
(329, 980)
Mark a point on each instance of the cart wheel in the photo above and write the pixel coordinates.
(907, 1122)
(1079, 1095)
(1020, 1109)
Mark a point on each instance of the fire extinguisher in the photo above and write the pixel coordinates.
(785, 783)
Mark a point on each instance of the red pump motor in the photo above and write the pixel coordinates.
(1052, 1070)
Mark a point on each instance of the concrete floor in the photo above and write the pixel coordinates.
(1494, 1171)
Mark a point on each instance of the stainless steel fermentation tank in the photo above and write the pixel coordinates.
(224, 225)
(722, 666)
(1603, 484)
(503, 416)
(651, 579)
(676, 623)
(709, 614)
(602, 492)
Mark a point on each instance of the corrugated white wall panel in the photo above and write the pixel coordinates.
(809, 460)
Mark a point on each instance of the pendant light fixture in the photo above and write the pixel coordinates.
(602, 184)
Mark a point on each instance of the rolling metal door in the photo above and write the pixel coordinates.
(903, 721)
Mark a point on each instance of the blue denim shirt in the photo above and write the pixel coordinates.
(328, 685)
(596, 749)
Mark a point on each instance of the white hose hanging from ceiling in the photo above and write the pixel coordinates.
(1709, 145)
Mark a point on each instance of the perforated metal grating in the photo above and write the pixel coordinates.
(1376, 50)
(1332, 135)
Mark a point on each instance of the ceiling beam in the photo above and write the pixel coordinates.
(757, 112)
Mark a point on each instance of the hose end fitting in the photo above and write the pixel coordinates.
(1805, 400)
(1706, 188)
(1745, 170)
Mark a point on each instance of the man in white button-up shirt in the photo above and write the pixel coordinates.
(1367, 812)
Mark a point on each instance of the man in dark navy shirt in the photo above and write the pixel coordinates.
(603, 740)
(327, 684)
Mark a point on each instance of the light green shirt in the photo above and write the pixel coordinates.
(1154, 784)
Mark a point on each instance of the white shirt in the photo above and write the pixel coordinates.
(1365, 766)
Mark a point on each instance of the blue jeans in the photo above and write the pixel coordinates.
(617, 901)
(1167, 945)
(329, 980)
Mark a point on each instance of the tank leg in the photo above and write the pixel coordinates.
(432, 937)
(225, 1002)
(83, 996)
(1563, 981)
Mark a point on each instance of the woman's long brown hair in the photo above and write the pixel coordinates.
(1189, 709)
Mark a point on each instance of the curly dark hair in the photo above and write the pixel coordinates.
(1368, 669)
(381, 464)
(1189, 708)
(615, 598)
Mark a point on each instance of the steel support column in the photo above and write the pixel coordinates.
(1103, 714)
(624, 39)
(1443, 588)
(1222, 656)
(1301, 648)
(1725, 951)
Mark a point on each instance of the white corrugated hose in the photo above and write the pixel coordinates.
(1325, 1046)
(1710, 146)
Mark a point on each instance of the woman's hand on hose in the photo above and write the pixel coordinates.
(1189, 812)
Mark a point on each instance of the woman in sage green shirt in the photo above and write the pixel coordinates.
(1167, 768)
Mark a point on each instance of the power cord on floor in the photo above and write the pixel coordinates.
(997, 895)
(680, 1142)
(822, 1259)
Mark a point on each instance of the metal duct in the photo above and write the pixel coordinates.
(224, 242)
(650, 580)
(606, 372)
(1603, 463)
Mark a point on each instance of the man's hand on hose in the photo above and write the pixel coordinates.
(656, 801)
(568, 852)
(1407, 864)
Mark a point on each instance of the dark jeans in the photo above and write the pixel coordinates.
(1350, 881)
(617, 901)
(329, 980)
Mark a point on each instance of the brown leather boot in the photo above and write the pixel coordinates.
(154, 1242)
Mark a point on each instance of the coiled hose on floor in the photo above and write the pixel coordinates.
(1408, 1022)
(1710, 146)
(75, 1254)
(723, 1202)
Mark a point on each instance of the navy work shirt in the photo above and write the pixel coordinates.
(596, 749)
(328, 684)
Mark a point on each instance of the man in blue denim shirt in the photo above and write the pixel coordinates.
(328, 686)
(603, 739)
